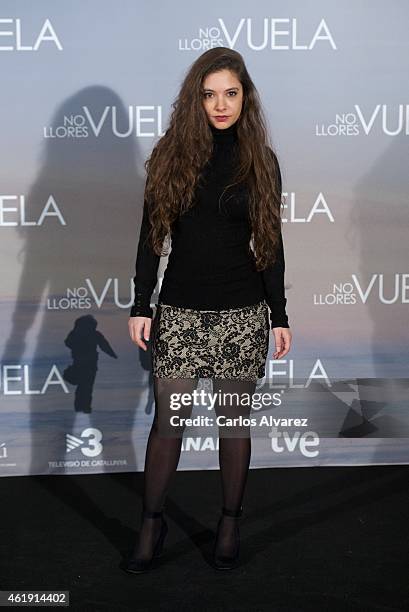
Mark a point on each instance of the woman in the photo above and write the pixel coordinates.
(213, 186)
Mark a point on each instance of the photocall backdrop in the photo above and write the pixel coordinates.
(87, 88)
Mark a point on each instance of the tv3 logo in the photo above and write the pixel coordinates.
(91, 437)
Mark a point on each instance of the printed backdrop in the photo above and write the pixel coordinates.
(87, 88)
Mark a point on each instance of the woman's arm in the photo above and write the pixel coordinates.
(146, 271)
(273, 276)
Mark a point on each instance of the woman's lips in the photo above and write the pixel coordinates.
(221, 117)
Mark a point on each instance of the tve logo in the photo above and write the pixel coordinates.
(282, 441)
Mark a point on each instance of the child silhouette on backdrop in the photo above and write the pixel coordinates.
(83, 341)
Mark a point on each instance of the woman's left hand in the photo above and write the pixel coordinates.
(282, 338)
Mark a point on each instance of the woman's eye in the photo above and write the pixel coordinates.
(208, 94)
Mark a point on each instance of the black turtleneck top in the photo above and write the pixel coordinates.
(210, 265)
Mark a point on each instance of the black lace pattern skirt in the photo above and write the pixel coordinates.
(231, 343)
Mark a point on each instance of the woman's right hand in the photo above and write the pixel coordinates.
(138, 327)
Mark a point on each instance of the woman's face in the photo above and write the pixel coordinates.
(222, 98)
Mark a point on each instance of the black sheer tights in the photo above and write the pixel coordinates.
(164, 448)
(234, 452)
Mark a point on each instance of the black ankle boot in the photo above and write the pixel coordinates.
(137, 566)
(224, 562)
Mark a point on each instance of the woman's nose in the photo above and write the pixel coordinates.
(220, 105)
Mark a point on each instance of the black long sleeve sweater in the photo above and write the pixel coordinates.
(211, 266)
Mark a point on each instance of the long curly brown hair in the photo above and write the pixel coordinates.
(178, 158)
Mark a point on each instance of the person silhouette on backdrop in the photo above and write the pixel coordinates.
(83, 341)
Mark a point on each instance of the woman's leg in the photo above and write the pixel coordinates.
(162, 455)
(234, 453)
